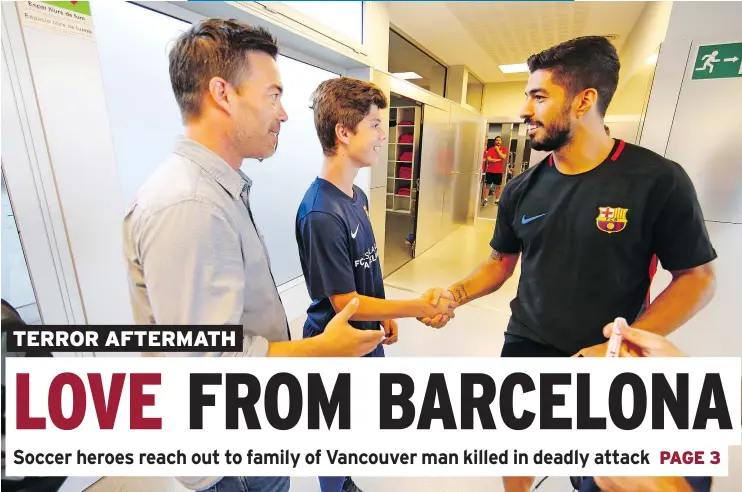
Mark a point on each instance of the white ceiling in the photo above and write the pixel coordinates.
(483, 35)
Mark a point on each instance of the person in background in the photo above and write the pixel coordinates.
(337, 247)
(588, 222)
(193, 251)
(495, 158)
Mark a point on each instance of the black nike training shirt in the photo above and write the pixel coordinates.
(588, 242)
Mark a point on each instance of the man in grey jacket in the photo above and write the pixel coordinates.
(194, 253)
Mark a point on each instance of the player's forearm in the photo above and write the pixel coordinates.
(686, 295)
(486, 279)
(374, 309)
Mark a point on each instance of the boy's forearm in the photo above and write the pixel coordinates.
(374, 309)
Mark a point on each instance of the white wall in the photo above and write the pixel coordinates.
(503, 101)
(691, 122)
(280, 182)
(144, 127)
(143, 115)
(644, 39)
(27, 171)
(346, 17)
(67, 79)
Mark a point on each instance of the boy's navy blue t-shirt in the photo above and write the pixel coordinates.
(338, 253)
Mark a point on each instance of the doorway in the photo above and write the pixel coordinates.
(517, 149)
(490, 181)
(402, 181)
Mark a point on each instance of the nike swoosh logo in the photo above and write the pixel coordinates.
(530, 219)
(355, 233)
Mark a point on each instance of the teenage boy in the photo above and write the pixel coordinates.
(337, 248)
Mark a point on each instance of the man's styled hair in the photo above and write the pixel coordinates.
(582, 63)
(213, 48)
(345, 101)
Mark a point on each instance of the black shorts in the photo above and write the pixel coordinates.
(493, 178)
(523, 347)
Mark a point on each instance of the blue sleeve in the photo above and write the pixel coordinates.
(328, 264)
(504, 238)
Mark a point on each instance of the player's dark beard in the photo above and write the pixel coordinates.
(558, 134)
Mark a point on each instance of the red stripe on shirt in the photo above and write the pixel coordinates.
(652, 272)
(621, 145)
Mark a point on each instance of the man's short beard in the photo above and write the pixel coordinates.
(557, 136)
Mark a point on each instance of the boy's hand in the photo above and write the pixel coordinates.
(441, 310)
(391, 330)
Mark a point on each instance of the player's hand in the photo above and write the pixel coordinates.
(391, 331)
(443, 303)
(346, 341)
(642, 343)
(643, 484)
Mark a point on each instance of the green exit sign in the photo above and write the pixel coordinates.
(718, 61)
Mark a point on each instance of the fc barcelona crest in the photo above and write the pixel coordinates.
(611, 219)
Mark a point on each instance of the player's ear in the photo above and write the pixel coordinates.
(585, 101)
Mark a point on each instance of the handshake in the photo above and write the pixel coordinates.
(439, 308)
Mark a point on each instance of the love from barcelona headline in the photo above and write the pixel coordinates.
(226, 416)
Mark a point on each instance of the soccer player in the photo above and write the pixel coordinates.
(589, 221)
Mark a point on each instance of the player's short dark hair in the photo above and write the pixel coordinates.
(582, 63)
(342, 100)
(213, 48)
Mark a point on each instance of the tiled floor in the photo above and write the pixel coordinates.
(477, 330)
(489, 211)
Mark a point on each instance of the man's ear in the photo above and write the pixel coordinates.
(585, 101)
(221, 93)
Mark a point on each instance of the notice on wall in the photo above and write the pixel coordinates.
(70, 18)
(718, 61)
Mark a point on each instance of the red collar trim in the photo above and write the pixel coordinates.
(614, 157)
(617, 153)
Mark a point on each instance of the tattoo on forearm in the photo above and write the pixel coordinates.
(459, 293)
(496, 255)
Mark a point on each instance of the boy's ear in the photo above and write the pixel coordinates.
(342, 134)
